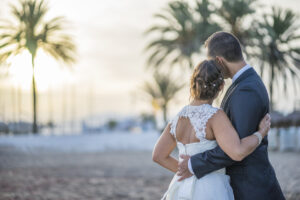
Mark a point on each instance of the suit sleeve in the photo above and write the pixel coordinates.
(245, 109)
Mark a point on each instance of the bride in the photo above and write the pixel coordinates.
(199, 127)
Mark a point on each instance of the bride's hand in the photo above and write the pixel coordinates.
(264, 125)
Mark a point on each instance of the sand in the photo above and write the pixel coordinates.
(129, 175)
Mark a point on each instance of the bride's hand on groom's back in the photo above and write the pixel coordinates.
(265, 125)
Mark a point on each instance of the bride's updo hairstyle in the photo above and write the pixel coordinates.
(206, 80)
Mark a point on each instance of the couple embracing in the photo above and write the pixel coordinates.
(223, 151)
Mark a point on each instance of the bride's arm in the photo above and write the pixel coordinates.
(162, 150)
(228, 139)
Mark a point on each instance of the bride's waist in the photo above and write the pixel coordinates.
(195, 148)
(219, 173)
(222, 171)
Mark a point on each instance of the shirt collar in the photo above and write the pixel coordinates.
(240, 72)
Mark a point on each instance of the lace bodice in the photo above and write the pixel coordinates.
(198, 117)
(206, 187)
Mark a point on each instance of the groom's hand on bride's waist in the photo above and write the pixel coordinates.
(183, 170)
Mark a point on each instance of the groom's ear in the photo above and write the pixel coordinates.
(219, 61)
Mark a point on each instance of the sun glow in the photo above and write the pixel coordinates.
(48, 72)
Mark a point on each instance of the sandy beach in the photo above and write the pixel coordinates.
(106, 175)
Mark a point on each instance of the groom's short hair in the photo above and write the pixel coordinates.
(224, 44)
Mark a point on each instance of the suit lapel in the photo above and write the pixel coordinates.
(227, 95)
(228, 92)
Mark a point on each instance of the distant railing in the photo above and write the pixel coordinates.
(285, 131)
(284, 139)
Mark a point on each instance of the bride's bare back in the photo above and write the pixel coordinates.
(185, 132)
(193, 124)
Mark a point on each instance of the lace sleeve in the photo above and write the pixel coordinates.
(173, 123)
(201, 122)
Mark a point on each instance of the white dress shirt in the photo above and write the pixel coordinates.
(239, 73)
(236, 75)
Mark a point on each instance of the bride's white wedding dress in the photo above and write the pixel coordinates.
(213, 186)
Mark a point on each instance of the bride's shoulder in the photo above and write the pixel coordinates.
(219, 115)
(211, 109)
(215, 108)
(220, 111)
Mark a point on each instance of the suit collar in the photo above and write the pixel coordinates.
(240, 72)
(243, 76)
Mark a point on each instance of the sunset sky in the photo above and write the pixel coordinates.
(110, 63)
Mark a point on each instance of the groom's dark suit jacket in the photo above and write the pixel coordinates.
(246, 102)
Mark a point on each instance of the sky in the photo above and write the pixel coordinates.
(110, 65)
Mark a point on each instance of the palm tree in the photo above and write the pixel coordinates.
(4, 73)
(32, 33)
(162, 91)
(183, 31)
(233, 13)
(276, 39)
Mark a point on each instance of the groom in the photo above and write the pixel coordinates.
(245, 103)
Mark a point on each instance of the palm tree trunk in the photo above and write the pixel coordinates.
(73, 108)
(19, 98)
(14, 107)
(271, 87)
(64, 115)
(164, 107)
(50, 109)
(34, 98)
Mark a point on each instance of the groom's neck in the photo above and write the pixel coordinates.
(235, 67)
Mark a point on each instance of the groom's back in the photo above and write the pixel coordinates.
(254, 177)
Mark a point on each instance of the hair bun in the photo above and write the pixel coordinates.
(206, 80)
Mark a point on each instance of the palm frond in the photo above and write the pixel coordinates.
(184, 30)
(277, 35)
(33, 32)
